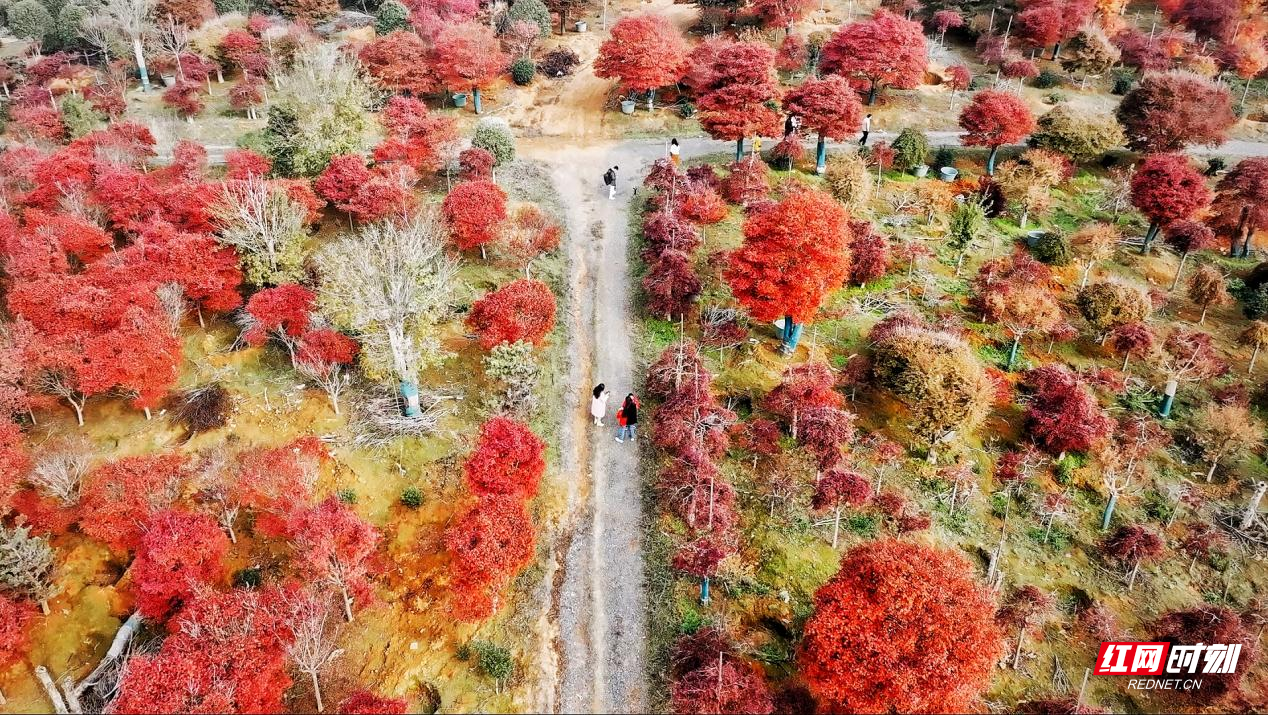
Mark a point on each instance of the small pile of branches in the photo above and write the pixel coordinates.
(378, 418)
(201, 409)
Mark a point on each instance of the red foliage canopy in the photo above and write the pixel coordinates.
(1167, 188)
(838, 488)
(487, 546)
(227, 656)
(242, 164)
(1239, 198)
(671, 285)
(1209, 624)
(1062, 415)
(1132, 543)
(335, 544)
(793, 255)
(369, 194)
(1170, 110)
(15, 616)
(469, 55)
(708, 678)
(508, 460)
(643, 52)
(805, 386)
(520, 310)
(869, 253)
(901, 627)
(179, 553)
(885, 51)
(286, 310)
(414, 135)
(740, 83)
(473, 210)
(995, 118)
(120, 497)
(827, 106)
(400, 61)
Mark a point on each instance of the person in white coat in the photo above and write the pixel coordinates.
(599, 404)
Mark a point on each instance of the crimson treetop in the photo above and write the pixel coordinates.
(827, 106)
(469, 55)
(734, 99)
(1168, 110)
(644, 52)
(1167, 188)
(1239, 208)
(994, 119)
(885, 51)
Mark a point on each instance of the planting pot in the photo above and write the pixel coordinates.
(948, 173)
(460, 100)
(1032, 237)
(169, 80)
(921, 170)
(627, 106)
(581, 25)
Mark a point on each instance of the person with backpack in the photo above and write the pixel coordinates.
(609, 180)
(627, 418)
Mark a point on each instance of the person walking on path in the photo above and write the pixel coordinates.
(627, 419)
(675, 152)
(599, 404)
(867, 129)
(609, 180)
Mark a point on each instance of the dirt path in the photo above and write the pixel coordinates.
(598, 601)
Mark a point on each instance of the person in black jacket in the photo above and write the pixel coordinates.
(627, 419)
(609, 180)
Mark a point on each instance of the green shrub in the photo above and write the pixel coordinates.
(30, 20)
(911, 149)
(1047, 79)
(68, 25)
(687, 110)
(225, 7)
(493, 660)
(533, 11)
(523, 71)
(944, 157)
(411, 498)
(79, 117)
(1054, 98)
(1079, 134)
(1158, 507)
(1053, 249)
(463, 652)
(1215, 165)
(494, 136)
(347, 496)
(692, 621)
(1124, 80)
(1065, 467)
(1255, 302)
(391, 16)
(862, 524)
(250, 577)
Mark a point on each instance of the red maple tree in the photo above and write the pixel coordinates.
(901, 627)
(782, 13)
(1062, 415)
(1239, 209)
(794, 254)
(241, 164)
(469, 56)
(335, 545)
(508, 459)
(283, 313)
(473, 210)
(827, 106)
(520, 310)
(643, 52)
(415, 136)
(15, 617)
(869, 253)
(1170, 110)
(179, 553)
(401, 61)
(1209, 624)
(120, 497)
(993, 119)
(1167, 188)
(487, 545)
(884, 51)
(735, 94)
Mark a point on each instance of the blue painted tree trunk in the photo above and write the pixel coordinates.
(1150, 235)
(990, 161)
(409, 393)
(475, 95)
(1168, 399)
(821, 154)
(792, 334)
(1109, 512)
(704, 590)
(1012, 354)
(739, 149)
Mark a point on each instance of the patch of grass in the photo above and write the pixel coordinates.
(864, 525)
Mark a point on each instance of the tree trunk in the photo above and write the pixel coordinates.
(1252, 507)
(1109, 511)
(821, 155)
(1239, 235)
(347, 602)
(1202, 318)
(1126, 356)
(1210, 473)
(1131, 580)
(1254, 354)
(139, 52)
(739, 149)
(54, 695)
(651, 99)
(1021, 637)
(871, 93)
(79, 411)
(1056, 51)
(317, 691)
(1025, 217)
(1149, 238)
(1012, 354)
(836, 527)
(1087, 271)
(1179, 270)
(475, 95)
(990, 161)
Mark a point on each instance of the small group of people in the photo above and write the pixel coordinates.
(626, 414)
(792, 123)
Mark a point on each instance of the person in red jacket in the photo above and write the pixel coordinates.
(627, 419)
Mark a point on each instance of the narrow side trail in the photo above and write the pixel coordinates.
(599, 603)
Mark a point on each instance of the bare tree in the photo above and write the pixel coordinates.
(391, 283)
(266, 227)
(173, 39)
(57, 382)
(214, 479)
(171, 296)
(131, 19)
(333, 377)
(60, 472)
(26, 565)
(314, 631)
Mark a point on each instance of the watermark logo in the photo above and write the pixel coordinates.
(1165, 659)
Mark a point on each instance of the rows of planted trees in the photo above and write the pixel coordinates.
(921, 445)
(234, 397)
